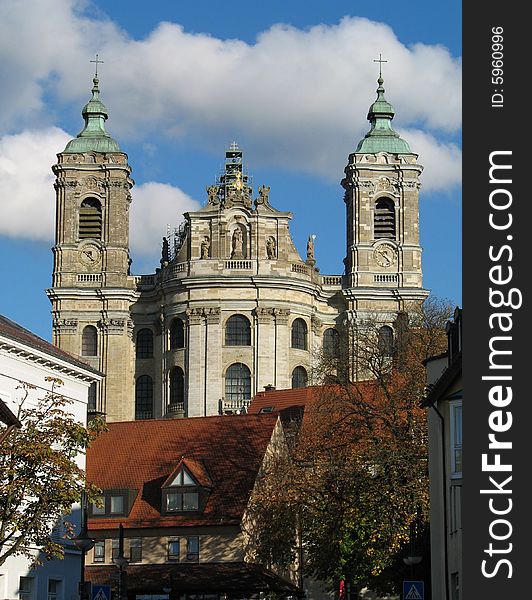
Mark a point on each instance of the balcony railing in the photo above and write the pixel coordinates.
(228, 407)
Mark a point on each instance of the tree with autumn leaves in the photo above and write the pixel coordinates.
(353, 482)
(40, 478)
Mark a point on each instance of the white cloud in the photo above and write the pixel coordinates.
(442, 161)
(28, 198)
(154, 206)
(296, 98)
(26, 182)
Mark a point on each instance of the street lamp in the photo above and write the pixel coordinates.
(121, 562)
(84, 543)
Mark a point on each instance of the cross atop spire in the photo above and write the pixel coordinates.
(379, 60)
(97, 63)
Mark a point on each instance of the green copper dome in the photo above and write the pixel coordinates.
(93, 137)
(381, 137)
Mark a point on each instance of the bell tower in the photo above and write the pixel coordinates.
(92, 290)
(383, 260)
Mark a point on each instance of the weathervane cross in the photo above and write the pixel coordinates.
(97, 62)
(379, 60)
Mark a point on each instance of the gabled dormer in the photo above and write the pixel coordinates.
(187, 488)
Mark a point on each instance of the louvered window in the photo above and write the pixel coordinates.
(90, 219)
(384, 225)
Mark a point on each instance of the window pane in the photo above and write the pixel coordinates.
(385, 342)
(173, 550)
(54, 589)
(99, 510)
(331, 342)
(135, 550)
(193, 548)
(25, 587)
(117, 504)
(173, 501)
(299, 334)
(115, 549)
(237, 331)
(187, 479)
(177, 386)
(99, 552)
(238, 382)
(144, 397)
(144, 347)
(190, 501)
(177, 334)
(89, 341)
(299, 378)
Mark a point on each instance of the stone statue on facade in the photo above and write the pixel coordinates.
(264, 192)
(270, 248)
(311, 260)
(212, 193)
(205, 246)
(237, 244)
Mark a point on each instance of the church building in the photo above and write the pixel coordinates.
(233, 307)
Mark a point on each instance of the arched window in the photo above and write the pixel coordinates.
(89, 341)
(331, 342)
(238, 382)
(90, 219)
(237, 331)
(144, 397)
(91, 398)
(177, 334)
(384, 220)
(177, 386)
(386, 340)
(144, 347)
(299, 377)
(299, 334)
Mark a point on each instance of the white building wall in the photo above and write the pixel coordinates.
(22, 363)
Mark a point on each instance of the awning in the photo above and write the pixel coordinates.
(207, 578)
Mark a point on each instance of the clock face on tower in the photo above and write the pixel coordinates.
(385, 255)
(89, 254)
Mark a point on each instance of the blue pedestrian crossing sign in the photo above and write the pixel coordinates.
(101, 592)
(413, 590)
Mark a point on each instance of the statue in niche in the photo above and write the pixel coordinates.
(237, 243)
(270, 248)
(205, 245)
(212, 193)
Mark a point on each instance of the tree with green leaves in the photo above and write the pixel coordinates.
(40, 475)
(354, 481)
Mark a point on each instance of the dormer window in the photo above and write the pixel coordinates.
(182, 492)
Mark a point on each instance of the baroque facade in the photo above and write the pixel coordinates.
(234, 307)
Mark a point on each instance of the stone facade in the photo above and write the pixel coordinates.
(234, 307)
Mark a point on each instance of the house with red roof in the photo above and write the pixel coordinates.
(180, 489)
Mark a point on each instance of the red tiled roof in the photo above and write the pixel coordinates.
(246, 578)
(281, 400)
(286, 402)
(16, 332)
(141, 455)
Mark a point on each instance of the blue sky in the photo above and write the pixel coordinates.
(290, 81)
